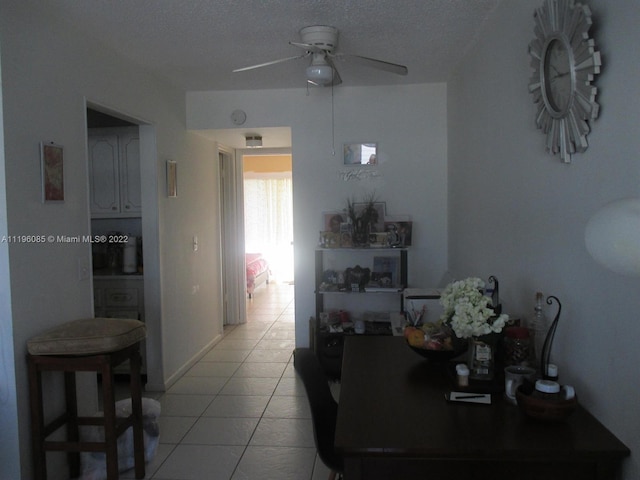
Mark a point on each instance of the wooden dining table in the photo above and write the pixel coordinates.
(395, 423)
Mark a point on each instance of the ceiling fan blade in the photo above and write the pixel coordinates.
(373, 63)
(273, 62)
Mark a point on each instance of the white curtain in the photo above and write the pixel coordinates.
(268, 219)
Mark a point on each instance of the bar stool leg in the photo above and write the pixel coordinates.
(37, 421)
(110, 434)
(73, 433)
(136, 410)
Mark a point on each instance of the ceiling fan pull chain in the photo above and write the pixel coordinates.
(333, 129)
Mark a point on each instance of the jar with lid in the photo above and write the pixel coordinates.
(462, 372)
(518, 346)
(547, 390)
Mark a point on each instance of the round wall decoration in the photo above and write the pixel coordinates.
(565, 62)
(238, 117)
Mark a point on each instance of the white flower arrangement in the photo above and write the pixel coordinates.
(468, 311)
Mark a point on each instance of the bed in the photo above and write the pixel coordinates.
(257, 271)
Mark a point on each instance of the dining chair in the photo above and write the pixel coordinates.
(324, 409)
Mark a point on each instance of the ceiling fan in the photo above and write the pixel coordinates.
(319, 43)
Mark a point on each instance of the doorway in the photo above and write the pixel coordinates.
(137, 150)
(232, 214)
(268, 211)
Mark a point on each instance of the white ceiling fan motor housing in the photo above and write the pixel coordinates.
(321, 36)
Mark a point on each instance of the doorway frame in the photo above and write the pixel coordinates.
(234, 275)
(232, 260)
(256, 152)
(150, 233)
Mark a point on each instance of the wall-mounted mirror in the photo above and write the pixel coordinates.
(360, 153)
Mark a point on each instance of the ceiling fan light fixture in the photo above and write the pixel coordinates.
(320, 74)
(253, 141)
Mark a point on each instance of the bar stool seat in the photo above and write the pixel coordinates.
(91, 344)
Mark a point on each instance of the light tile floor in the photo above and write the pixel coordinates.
(241, 413)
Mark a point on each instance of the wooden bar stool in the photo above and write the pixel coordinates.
(93, 344)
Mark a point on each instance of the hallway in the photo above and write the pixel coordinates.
(241, 413)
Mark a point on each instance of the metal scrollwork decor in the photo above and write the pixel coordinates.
(565, 61)
(548, 341)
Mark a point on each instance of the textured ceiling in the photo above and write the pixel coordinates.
(196, 44)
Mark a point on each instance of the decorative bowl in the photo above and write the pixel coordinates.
(438, 356)
(542, 409)
(454, 345)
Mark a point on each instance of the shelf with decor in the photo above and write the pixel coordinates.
(358, 291)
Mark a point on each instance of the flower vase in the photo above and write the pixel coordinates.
(361, 234)
(481, 358)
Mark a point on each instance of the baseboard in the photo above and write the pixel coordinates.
(190, 363)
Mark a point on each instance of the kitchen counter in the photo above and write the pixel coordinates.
(115, 274)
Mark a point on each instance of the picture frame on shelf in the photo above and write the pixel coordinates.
(400, 233)
(332, 221)
(329, 240)
(387, 270)
(52, 172)
(379, 239)
(346, 235)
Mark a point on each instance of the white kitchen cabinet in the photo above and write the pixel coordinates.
(114, 173)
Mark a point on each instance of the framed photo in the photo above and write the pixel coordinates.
(399, 233)
(346, 235)
(52, 170)
(380, 207)
(346, 238)
(332, 221)
(329, 239)
(172, 178)
(379, 239)
(387, 271)
(360, 153)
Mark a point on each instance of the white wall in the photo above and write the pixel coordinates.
(9, 453)
(409, 123)
(520, 214)
(48, 70)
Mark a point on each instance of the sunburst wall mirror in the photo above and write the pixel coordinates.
(565, 62)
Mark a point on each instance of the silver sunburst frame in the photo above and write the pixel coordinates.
(565, 62)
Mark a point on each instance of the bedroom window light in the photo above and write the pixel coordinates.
(269, 220)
